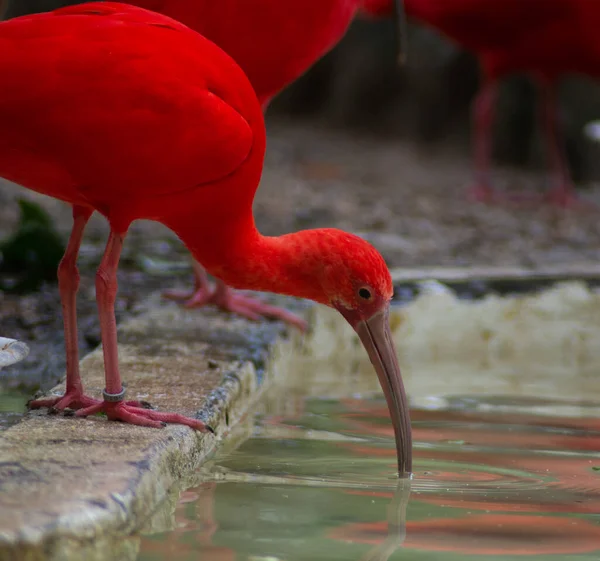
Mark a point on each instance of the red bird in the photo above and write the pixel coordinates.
(127, 112)
(274, 42)
(543, 38)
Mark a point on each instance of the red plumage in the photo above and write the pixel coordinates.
(274, 41)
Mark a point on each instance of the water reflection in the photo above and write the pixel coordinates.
(263, 525)
(195, 525)
(395, 527)
(496, 535)
(318, 484)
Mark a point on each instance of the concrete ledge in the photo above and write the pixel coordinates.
(75, 488)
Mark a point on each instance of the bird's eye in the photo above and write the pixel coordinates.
(364, 293)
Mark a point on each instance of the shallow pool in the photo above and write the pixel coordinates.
(494, 479)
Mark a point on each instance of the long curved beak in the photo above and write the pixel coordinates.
(401, 31)
(376, 337)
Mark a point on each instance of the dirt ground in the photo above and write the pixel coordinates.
(410, 201)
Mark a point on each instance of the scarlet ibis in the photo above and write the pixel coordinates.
(274, 42)
(543, 38)
(116, 109)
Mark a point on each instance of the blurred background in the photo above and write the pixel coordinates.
(358, 86)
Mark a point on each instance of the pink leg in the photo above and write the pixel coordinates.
(113, 405)
(228, 300)
(562, 193)
(68, 285)
(483, 116)
(201, 294)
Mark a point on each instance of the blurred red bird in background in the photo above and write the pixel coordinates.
(546, 39)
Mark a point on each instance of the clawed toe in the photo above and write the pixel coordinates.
(566, 200)
(71, 400)
(177, 295)
(196, 299)
(142, 416)
(254, 309)
(225, 299)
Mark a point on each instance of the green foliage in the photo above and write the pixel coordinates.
(31, 255)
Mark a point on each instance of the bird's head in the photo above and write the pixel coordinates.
(352, 277)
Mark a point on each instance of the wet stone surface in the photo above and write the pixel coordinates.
(70, 486)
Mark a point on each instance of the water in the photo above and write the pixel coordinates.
(12, 408)
(495, 479)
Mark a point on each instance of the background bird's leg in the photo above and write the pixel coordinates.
(68, 284)
(483, 121)
(228, 300)
(113, 404)
(200, 296)
(251, 307)
(562, 192)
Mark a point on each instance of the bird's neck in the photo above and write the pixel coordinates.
(238, 254)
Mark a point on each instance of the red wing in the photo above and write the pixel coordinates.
(107, 110)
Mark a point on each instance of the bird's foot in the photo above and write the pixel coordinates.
(72, 399)
(75, 399)
(122, 411)
(252, 308)
(562, 198)
(482, 193)
(228, 300)
(195, 299)
(557, 198)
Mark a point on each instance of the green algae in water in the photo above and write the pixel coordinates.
(319, 485)
(12, 408)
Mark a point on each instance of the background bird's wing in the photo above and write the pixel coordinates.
(489, 23)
